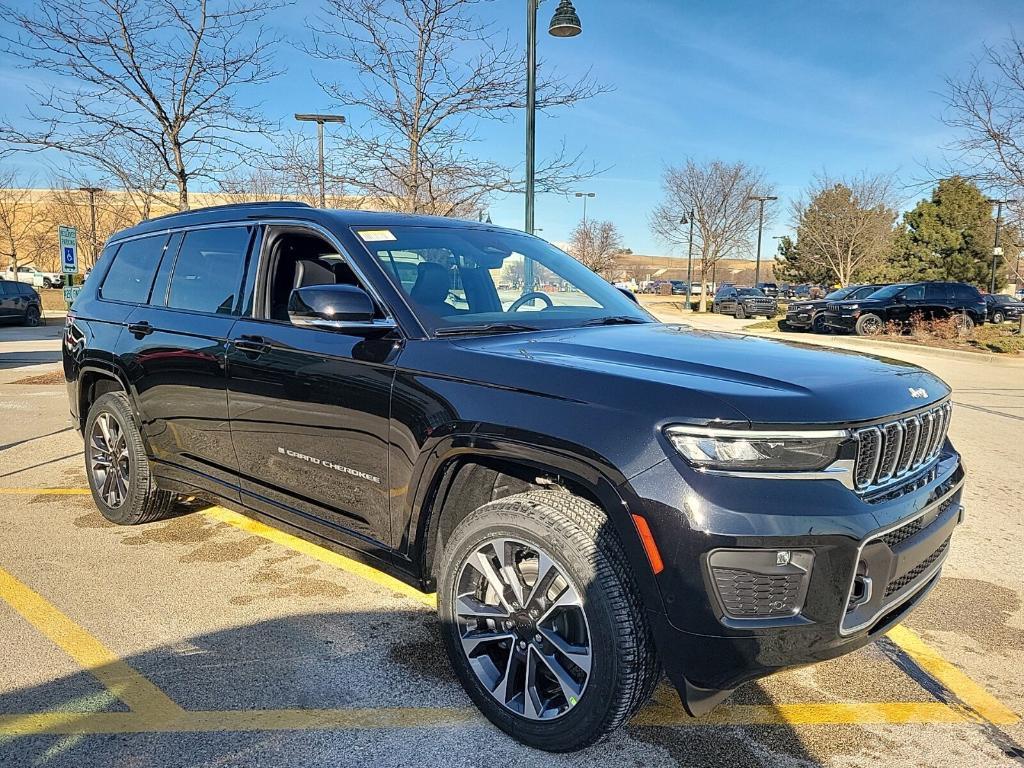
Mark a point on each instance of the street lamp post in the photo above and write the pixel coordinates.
(564, 23)
(761, 199)
(997, 251)
(92, 219)
(689, 264)
(320, 120)
(585, 195)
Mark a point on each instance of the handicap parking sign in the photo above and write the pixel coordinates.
(68, 237)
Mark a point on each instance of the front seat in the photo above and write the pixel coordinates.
(431, 288)
(312, 273)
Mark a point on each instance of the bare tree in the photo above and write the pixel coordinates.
(67, 204)
(845, 226)
(425, 73)
(597, 245)
(20, 221)
(716, 193)
(987, 106)
(157, 78)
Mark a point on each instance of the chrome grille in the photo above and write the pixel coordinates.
(893, 449)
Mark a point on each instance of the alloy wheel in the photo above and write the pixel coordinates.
(523, 629)
(108, 460)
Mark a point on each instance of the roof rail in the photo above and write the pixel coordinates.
(230, 206)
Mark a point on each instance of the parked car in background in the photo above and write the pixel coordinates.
(744, 302)
(807, 315)
(678, 287)
(34, 277)
(800, 291)
(769, 289)
(901, 302)
(1002, 307)
(19, 303)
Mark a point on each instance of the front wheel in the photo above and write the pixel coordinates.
(869, 325)
(998, 318)
(740, 314)
(542, 621)
(122, 485)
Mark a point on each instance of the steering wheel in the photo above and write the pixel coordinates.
(518, 303)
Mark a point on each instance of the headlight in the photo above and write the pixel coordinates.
(738, 450)
(853, 306)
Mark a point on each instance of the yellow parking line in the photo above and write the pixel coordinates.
(113, 674)
(954, 679)
(44, 491)
(842, 713)
(322, 554)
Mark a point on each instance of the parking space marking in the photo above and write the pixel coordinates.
(138, 693)
(154, 711)
(44, 491)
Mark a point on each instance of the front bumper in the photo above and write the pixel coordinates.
(800, 319)
(840, 321)
(704, 649)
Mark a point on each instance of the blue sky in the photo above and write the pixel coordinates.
(795, 88)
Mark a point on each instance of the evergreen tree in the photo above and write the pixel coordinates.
(793, 267)
(950, 237)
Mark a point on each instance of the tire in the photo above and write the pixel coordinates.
(741, 313)
(141, 501)
(869, 325)
(32, 316)
(998, 318)
(581, 544)
(818, 325)
(47, 283)
(964, 322)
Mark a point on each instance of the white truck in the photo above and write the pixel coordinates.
(34, 277)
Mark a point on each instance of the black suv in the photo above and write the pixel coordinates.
(1002, 307)
(743, 302)
(595, 496)
(902, 302)
(20, 303)
(806, 315)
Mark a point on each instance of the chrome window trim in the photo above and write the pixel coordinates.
(923, 579)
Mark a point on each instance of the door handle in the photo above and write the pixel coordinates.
(252, 345)
(138, 330)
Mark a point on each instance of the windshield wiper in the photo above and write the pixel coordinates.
(616, 320)
(485, 328)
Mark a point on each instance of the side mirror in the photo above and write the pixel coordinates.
(331, 306)
(629, 294)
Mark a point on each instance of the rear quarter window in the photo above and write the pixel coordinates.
(131, 275)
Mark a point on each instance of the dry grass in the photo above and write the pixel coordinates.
(53, 377)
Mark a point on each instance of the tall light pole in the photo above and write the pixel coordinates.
(585, 195)
(320, 120)
(565, 23)
(997, 251)
(761, 199)
(92, 218)
(689, 264)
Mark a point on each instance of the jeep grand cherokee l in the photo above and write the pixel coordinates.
(595, 496)
(807, 315)
(899, 304)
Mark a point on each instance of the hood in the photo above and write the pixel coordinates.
(658, 366)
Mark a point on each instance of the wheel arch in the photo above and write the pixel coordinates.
(466, 473)
(93, 383)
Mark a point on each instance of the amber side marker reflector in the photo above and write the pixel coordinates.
(653, 555)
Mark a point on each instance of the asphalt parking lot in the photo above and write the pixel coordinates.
(212, 640)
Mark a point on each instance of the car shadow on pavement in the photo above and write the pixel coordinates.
(388, 663)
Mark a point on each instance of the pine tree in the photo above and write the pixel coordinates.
(950, 237)
(793, 267)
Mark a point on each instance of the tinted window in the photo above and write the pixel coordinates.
(966, 293)
(5, 288)
(936, 292)
(914, 292)
(208, 272)
(24, 289)
(131, 275)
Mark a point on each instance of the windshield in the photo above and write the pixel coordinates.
(749, 292)
(842, 293)
(461, 277)
(1001, 298)
(888, 292)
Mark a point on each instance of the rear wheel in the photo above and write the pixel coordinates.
(542, 621)
(869, 325)
(47, 283)
(32, 316)
(119, 472)
(963, 322)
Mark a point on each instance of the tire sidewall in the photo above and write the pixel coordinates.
(32, 316)
(997, 318)
(114, 405)
(573, 727)
(863, 323)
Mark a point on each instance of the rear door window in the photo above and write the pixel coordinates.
(937, 292)
(207, 275)
(131, 275)
(914, 293)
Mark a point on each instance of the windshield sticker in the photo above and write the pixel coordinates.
(375, 235)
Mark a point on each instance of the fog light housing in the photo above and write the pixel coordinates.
(751, 584)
